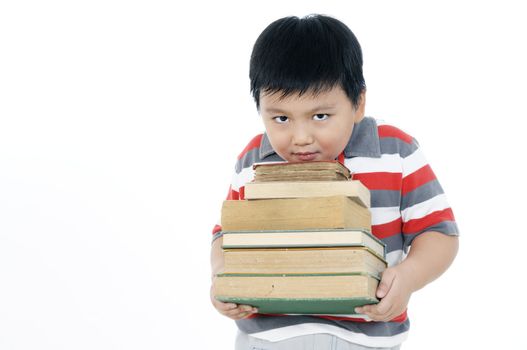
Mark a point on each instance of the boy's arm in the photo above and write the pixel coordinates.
(231, 310)
(430, 255)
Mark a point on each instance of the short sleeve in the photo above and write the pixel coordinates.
(424, 206)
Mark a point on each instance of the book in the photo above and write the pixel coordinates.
(303, 261)
(301, 171)
(300, 242)
(334, 212)
(298, 294)
(353, 189)
(303, 239)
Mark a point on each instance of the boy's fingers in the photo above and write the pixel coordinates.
(251, 311)
(382, 316)
(381, 308)
(387, 279)
(232, 310)
(243, 315)
(381, 311)
(238, 309)
(241, 311)
(228, 306)
(247, 308)
(372, 315)
(377, 312)
(224, 306)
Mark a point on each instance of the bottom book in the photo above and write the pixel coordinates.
(336, 294)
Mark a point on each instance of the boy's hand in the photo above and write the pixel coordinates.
(231, 310)
(394, 292)
(431, 254)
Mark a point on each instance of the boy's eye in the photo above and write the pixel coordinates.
(281, 119)
(321, 116)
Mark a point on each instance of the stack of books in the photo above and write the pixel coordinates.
(300, 242)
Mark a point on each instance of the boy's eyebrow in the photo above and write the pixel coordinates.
(313, 110)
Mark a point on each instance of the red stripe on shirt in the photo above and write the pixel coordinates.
(388, 229)
(233, 195)
(216, 229)
(418, 225)
(392, 131)
(236, 195)
(254, 143)
(399, 319)
(417, 178)
(341, 158)
(380, 180)
(343, 318)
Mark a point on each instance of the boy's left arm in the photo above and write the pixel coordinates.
(430, 255)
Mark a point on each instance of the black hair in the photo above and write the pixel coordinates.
(314, 53)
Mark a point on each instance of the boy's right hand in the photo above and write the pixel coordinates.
(231, 310)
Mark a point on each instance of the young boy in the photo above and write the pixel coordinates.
(306, 78)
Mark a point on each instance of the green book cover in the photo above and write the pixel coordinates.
(335, 306)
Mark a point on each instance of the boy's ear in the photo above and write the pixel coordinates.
(361, 107)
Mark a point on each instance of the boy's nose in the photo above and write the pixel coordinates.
(302, 136)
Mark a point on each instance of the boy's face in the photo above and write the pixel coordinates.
(310, 127)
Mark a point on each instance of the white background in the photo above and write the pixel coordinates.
(120, 122)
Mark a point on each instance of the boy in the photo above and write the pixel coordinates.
(306, 78)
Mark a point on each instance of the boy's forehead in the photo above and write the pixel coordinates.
(278, 101)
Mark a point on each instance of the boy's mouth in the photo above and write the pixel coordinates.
(306, 156)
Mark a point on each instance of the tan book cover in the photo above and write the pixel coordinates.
(335, 212)
(353, 189)
(303, 261)
(296, 286)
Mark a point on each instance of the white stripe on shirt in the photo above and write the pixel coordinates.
(388, 163)
(422, 209)
(287, 332)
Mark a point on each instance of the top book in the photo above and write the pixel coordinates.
(301, 171)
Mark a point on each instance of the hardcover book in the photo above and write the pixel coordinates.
(295, 214)
(303, 261)
(303, 239)
(301, 171)
(299, 294)
(353, 189)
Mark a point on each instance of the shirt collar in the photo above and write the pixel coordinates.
(364, 141)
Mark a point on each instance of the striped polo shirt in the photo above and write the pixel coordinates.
(406, 200)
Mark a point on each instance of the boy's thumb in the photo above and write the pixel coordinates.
(386, 283)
